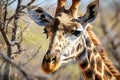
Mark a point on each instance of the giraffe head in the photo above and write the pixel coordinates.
(63, 30)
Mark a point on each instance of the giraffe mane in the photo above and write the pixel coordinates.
(102, 53)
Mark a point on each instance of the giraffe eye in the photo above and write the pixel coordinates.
(76, 33)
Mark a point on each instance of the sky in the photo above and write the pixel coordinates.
(52, 3)
(47, 2)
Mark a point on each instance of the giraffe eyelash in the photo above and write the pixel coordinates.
(76, 33)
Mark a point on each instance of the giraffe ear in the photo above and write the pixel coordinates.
(40, 17)
(92, 12)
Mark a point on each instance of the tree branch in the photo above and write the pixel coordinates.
(16, 66)
(112, 47)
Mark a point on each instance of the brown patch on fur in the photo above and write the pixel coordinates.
(102, 53)
(97, 77)
(84, 64)
(59, 37)
(99, 64)
(58, 50)
(60, 45)
(56, 45)
(89, 73)
(94, 51)
(89, 53)
(92, 62)
(88, 42)
(107, 74)
(78, 47)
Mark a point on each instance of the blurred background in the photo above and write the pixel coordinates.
(33, 44)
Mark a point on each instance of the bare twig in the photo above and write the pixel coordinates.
(6, 38)
(11, 2)
(14, 30)
(42, 2)
(14, 41)
(10, 19)
(23, 7)
(112, 47)
(33, 56)
(16, 66)
(5, 11)
(32, 1)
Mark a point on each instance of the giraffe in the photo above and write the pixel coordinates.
(71, 38)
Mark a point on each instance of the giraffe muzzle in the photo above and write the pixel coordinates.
(50, 63)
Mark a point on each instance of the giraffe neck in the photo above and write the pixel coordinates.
(91, 63)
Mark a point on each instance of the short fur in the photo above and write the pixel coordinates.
(102, 52)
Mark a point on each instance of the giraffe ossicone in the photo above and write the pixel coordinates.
(71, 38)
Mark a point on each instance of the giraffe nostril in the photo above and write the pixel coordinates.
(54, 58)
(48, 60)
